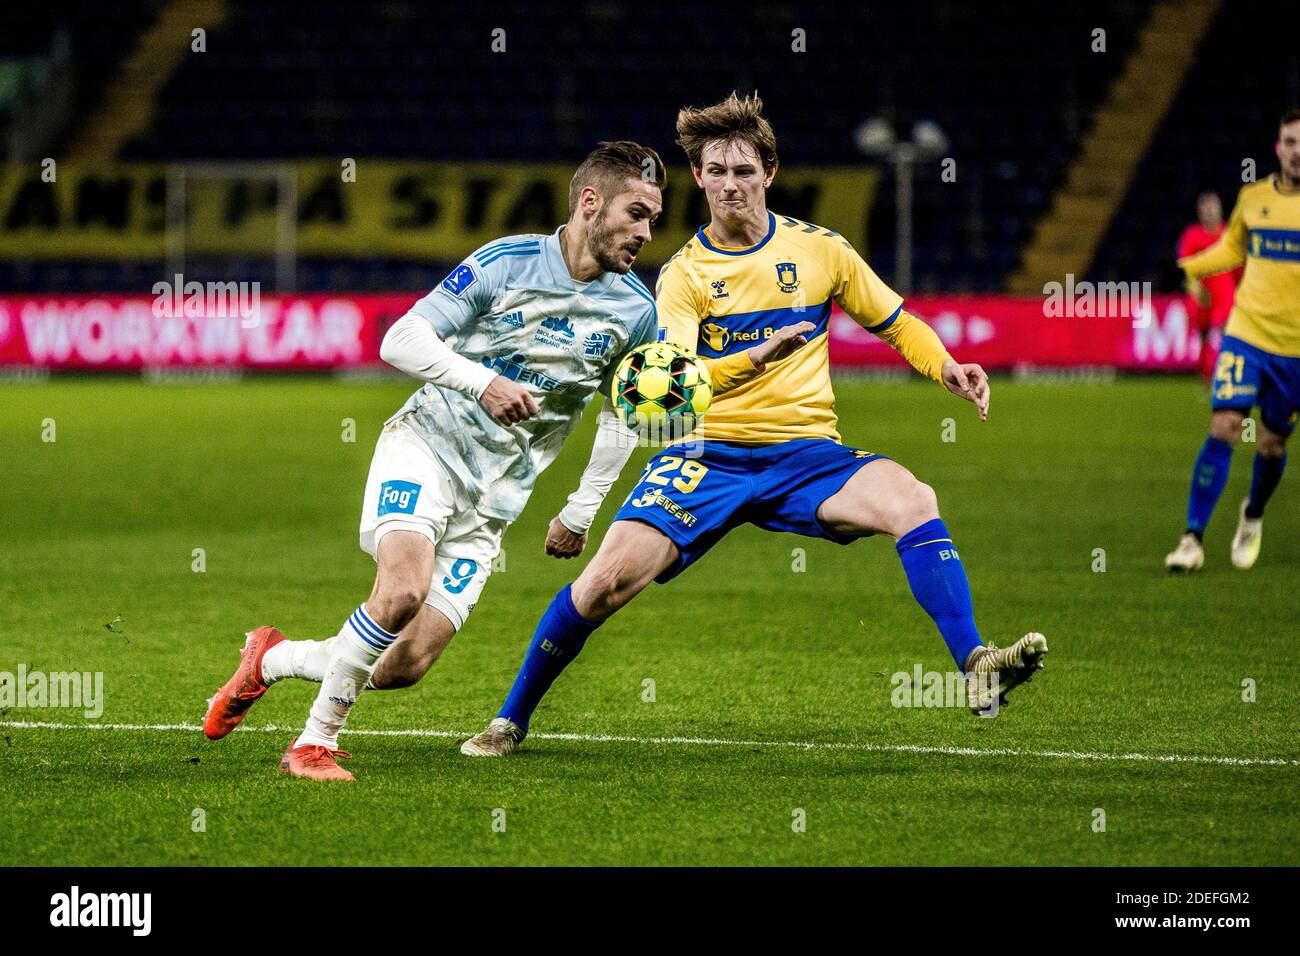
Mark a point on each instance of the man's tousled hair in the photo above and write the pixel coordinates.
(737, 118)
(610, 165)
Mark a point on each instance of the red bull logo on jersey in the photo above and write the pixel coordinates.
(787, 276)
(715, 336)
(750, 328)
(1283, 244)
(718, 337)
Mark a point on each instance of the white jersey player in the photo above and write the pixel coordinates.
(512, 346)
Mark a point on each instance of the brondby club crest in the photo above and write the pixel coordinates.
(787, 277)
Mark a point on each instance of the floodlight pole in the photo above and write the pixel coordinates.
(903, 156)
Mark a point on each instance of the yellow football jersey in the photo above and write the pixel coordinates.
(1264, 233)
(721, 301)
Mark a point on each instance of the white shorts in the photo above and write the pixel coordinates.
(409, 489)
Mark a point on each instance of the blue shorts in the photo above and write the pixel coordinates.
(1246, 376)
(696, 499)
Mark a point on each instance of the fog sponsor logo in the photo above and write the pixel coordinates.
(74, 908)
(26, 688)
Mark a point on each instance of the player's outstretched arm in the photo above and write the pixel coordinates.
(412, 346)
(924, 351)
(567, 535)
(730, 371)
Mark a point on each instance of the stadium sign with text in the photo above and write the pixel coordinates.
(403, 210)
(344, 331)
(113, 332)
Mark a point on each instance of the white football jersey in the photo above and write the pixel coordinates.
(513, 306)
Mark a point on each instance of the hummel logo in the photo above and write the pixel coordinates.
(719, 289)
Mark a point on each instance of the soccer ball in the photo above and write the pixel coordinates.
(661, 387)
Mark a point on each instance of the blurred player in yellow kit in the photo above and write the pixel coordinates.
(752, 292)
(1259, 360)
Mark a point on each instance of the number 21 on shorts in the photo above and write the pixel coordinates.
(1230, 367)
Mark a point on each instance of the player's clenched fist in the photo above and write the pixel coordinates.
(563, 543)
(784, 341)
(508, 402)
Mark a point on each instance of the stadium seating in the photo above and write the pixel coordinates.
(406, 80)
(1245, 77)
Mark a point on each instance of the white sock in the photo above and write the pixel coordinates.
(306, 660)
(356, 651)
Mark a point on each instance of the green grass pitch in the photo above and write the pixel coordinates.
(743, 649)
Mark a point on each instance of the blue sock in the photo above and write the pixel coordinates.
(939, 584)
(1209, 476)
(559, 637)
(1263, 480)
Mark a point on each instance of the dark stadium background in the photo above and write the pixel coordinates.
(149, 517)
(1015, 87)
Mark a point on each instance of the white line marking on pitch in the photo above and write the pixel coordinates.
(712, 742)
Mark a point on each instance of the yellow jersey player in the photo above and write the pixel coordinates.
(752, 293)
(1259, 360)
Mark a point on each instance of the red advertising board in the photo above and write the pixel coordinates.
(116, 332)
(341, 331)
(1002, 333)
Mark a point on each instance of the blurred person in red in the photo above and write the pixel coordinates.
(1209, 300)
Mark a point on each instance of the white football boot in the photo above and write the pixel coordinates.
(1246, 542)
(1189, 556)
(502, 736)
(992, 671)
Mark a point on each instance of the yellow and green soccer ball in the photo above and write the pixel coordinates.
(661, 387)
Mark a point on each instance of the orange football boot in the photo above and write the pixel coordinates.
(229, 705)
(314, 762)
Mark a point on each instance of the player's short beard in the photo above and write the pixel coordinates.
(604, 247)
